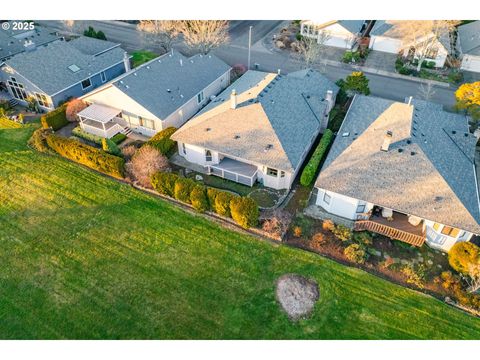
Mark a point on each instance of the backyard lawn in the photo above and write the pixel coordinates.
(142, 56)
(83, 256)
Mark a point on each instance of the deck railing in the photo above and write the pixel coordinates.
(391, 232)
(229, 175)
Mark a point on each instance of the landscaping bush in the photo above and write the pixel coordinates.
(164, 183)
(6, 123)
(462, 255)
(414, 276)
(90, 32)
(399, 64)
(350, 56)
(455, 76)
(87, 155)
(363, 238)
(144, 163)
(405, 70)
(79, 132)
(328, 225)
(182, 189)
(428, 64)
(55, 119)
(198, 198)
(38, 140)
(212, 195)
(356, 254)
(162, 141)
(118, 138)
(222, 203)
(297, 231)
(128, 152)
(342, 233)
(278, 223)
(318, 240)
(110, 147)
(308, 173)
(73, 107)
(244, 211)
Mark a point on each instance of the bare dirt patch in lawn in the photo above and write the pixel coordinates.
(297, 295)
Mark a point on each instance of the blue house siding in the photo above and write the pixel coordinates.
(96, 80)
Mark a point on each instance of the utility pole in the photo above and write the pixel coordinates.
(249, 45)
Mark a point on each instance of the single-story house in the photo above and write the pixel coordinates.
(166, 91)
(385, 36)
(404, 170)
(468, 42)
(61, 70)
(340, 33)
(260, 128)
(13, 42)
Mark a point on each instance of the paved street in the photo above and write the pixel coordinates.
(236, 52)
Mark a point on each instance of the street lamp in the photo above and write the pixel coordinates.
(249, 45)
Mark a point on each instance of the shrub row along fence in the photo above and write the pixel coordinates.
(87, 155)
(243, 210)
(311, 168)
(78, 132)
(161, 140)
(55, 119)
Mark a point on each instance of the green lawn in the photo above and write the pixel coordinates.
(83, 256)
(142, 56)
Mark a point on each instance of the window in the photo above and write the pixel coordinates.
(326, 198)
(431, 53)
(86, 84)
(184, 149)
(360, 209)
(17, 89)
(282, 174)
(208, 155)
(146, 123)
(103, 76)
(200, 97)
(42, 100)
(436, 226)
(450, 231)
(272, 172)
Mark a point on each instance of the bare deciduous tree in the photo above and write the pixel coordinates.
(423, 36)
(312, 50)
(159, 33)
(473, 278)
(146, 161)
(426, 91)
(72, 26)
(73, 108)
(204, 35)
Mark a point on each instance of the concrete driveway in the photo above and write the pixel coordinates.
(381, 61)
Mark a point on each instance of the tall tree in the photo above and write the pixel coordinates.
(204, 35)
(312, 50)
(355, 83)
(423, 36)
(159, 33)
(468, 99)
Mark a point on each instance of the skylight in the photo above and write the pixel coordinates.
(74, 68)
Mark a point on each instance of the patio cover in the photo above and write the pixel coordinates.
(100, 113)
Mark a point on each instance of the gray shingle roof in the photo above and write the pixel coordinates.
(469, 36)
(12, 42)
(47, 67)
(354, 26)
(380, 27)
(428, 170)
(166, 83)
(283, 111)
(91, 46)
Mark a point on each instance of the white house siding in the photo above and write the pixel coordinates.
(339, 36)
(183, 114)
(437, 240)
(385, 44)
(471, 63)
(341, 205)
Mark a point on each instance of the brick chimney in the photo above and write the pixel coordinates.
(386, 141)
(233, 99)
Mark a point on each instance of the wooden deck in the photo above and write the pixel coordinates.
(399, 228)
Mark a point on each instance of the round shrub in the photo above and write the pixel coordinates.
(355, 253)
(222, 203)
(164, 183)
(198, 198)
(212, 195)
(342, 233)
(183, 188)
(363, 238)
(297, 231)
(318, 239)
(145, 162)
(328, 225)
(162, 141)
(462, 255)
(244, 211)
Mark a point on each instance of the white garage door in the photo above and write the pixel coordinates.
(471, 63)
(379, 43)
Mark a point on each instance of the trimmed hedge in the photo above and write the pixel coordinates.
(311, 168)
(118, 138)
(55, 119)
(198, 198)
(164, 183)
(38, 140)
(79, 132)
(244, 211)
(211, 196)
(183, 188)
(87, 155)
(222, 203)
(110, 147)
(162, 141)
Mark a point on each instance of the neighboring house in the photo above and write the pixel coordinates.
(468, 43)
(341, 33)
(13, 42)
(404, 170)
(166, 91)
(260, 128)
(62, 70)
(385, 36)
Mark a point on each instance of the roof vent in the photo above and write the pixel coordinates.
(438, 198)
(413, 153)
(268, 147)
(466, 134)
(135, 74)
(400, 150)
(148, 66)
(208, 129)
(386, 141)
(236, 137)
(127, 87)
(409, 141)
(345, 134)
(74, 68)
(454, 132)
(169, 91)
